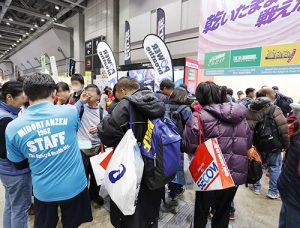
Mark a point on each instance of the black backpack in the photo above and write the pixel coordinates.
(174, 113)
(255, 168)
(266, 136)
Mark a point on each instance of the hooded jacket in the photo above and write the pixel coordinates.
(226, 122)
(257, 111)
(142, 105)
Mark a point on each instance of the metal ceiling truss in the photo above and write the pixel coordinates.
(40, 30)
(18, 23)
(14, 35)
(29, 12)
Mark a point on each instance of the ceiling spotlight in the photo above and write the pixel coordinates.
(27, 33)
(47, 15)
(15, 44)
(35, 25)
(32, 29)
(7, 23)
(57, 7)
(10, 19)
(20, 39)
(0, 35)
(10, 48)
(24, 35)
(42, 20)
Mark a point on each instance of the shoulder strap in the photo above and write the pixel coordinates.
(272, 110)
(100, 113)
(130, 116)
(81, 112)
(200, 127)
(181, 108)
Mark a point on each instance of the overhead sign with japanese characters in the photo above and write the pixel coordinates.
(268, 60)
(239, 24)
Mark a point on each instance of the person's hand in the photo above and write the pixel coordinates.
(93, 130)
(84, 97)
(60, 101)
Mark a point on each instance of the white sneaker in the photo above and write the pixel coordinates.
(256, 191)
(273, 195)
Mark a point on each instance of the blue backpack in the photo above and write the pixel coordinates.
(161, 152)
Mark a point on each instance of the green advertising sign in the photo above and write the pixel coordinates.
(245, 57)
(216, 60)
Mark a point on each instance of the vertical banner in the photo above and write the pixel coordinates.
(127, 45)
(43, 63)
(161, 23)
(191, 74)
(160, 58)
(108, 61)
(53, 66)
(72, 64)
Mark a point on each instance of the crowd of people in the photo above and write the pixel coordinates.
(49, 134)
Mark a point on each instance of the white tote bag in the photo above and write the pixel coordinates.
(99, 164)
(124, 174)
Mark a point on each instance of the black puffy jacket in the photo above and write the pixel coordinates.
(144, 105)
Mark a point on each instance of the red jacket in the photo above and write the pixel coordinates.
(70, 101)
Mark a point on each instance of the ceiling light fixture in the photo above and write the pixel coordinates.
(47, 15)
(10, 48)
(20, 39)
(24, 35)
(42, 20)
(10, 19)
(35, 25)
(7, 23)
(57, 7)
(32, 29)
(27, 33)
(0, 35)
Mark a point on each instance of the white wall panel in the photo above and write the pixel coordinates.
(182, 22)
(140, 27)
(46, 43)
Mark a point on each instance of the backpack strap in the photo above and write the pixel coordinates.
(200, 128)
(272, 110)
(181, 108)
(130, 116)
(101, 111)
(81, 112)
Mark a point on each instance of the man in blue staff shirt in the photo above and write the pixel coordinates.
(45, 137)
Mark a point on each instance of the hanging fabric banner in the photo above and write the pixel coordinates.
(108, 61)
(159, 56)
(161, 23)
(127, 45)
(43, 63)
(53, 66)
(72, 64)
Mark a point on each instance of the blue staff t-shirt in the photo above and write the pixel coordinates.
(47, 136)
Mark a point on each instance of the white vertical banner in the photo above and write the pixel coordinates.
(159, 56)
(53, 66)
(108, 61)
